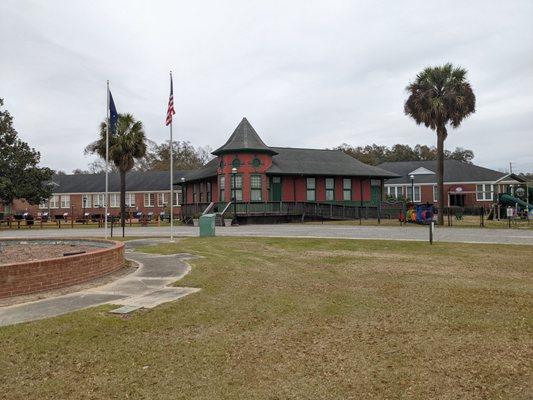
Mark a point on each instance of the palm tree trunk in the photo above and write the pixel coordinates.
(122, 200)
(441, 136)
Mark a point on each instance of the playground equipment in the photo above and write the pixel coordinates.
(508, 200)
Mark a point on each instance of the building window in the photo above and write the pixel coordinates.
(255, 188)
(222, 188)
(54, 201)
(311, 189)
(162, 199)
(114, 200)
(236, 163)
(177, 198)
(484, 192)
(236, 186)
(208, 192)
(395, 191)
(435, 193)
(86, 201)
(195, 191)
(98, 200)
(330, 189)
(416, 198)
(65, 201)
(347, 189)
(130, 199)
(202, 185)
(256, 162)
(148, 200)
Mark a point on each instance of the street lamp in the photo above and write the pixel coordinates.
(84, 207)
(412, 177)
(234, 174)
(183, 198)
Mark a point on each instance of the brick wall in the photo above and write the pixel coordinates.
(54, 273)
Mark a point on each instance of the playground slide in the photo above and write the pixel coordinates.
(508, 200)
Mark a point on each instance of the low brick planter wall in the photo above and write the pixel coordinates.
(54, 273)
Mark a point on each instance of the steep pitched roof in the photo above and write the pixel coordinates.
(242, 139)
(136, 181)
(454, 171)
(296, 161)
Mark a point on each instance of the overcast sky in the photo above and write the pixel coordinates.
(305, 74)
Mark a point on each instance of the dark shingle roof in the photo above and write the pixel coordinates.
(454, 171)
(244, 138)
(135, 181)
(321, 162)
(208, 170)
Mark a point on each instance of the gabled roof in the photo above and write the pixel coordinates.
(296, 161)
(510, 178)
(244, 138)
(454, 171)
(136, 181)
(422, 171)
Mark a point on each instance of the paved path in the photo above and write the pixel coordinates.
(147, 287)
(444, 234)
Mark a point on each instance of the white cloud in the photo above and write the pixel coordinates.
(307, 74)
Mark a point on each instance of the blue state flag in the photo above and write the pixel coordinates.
(113, 115)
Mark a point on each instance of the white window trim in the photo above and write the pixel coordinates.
(114, 200)
(65, 201)
(395, 191)
(162, 199)
(484, 191)
(414, 200)
(100, 202)
(88, 202)
(129, 198)
(149, 203)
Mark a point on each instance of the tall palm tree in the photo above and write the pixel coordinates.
(126, 145)
(438, 97)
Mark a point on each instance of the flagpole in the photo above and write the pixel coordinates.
(106, 161)
(171, 181)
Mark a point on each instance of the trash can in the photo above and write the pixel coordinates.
(207, 225)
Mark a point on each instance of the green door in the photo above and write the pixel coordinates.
(375, 192)
(275, 188)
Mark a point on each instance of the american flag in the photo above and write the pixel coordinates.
(170, 110)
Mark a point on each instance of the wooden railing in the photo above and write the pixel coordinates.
(291, 208)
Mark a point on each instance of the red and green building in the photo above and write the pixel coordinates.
(257, 173)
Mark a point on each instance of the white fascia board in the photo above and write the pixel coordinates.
(421, 171)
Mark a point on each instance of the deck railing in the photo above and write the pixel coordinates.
(294, 208)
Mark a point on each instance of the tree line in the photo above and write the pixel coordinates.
(156, 158)
(374, 154)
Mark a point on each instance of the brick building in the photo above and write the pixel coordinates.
(255, 172)
(464, 184)
(79, 194)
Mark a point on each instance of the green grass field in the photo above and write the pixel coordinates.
(299, 319)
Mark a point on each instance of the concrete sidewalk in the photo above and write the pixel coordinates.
(147, 287)
(410, 232)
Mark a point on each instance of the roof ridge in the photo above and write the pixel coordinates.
(303, 148)
(244, 137)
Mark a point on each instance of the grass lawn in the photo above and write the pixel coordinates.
(299, 319)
